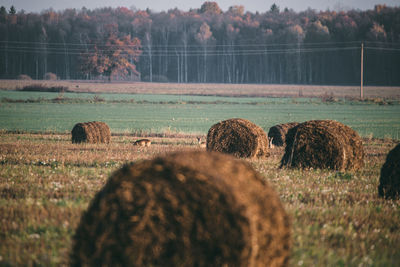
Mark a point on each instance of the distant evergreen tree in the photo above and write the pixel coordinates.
(13, 11)
(3, 11)
(3, 14)
(274, 8)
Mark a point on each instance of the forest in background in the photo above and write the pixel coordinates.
(205, 45)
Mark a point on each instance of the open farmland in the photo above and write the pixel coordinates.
(46, 183)
(107, 113)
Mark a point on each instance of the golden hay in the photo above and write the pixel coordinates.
(238, 137)
(323, 144)
(278, 133)
(389, 182)
(91, 132)
(184, 209)
(105, 133)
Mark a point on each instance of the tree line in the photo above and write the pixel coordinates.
(203, 45)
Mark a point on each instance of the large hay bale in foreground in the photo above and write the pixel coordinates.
(184, 209)
(238, 137)
(278, 133)
(389, 183)
(91, 132)
(323, 144)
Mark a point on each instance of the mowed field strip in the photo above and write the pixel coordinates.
(276, 90)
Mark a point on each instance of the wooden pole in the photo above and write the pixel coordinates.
(362, 72)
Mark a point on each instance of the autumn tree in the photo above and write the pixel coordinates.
(236, 10)
(113, 58)
(316, 33)
(295, 35)
(142, 25)
(377, 33)
(204, 36)
(210, 8)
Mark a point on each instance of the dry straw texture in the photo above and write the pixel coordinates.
(238, 137)
(324, 144)
(389, 184)
(278, 133)
(184, 209)
(91, 132)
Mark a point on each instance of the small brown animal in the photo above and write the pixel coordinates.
(142, 142)
(201, 143)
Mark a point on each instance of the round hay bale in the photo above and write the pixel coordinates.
(389, 182)
(193, 208)
(94, 132)
(323, 144)
(238, 137)
(91, 132)
(105, 132)
(278, 133)
(85, 133)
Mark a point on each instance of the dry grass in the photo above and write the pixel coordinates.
(275, 90)
(46, 183)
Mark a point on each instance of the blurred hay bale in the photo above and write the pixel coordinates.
(278, 133)
(24, 77)
(91, 132)
(50, 76)
(238, 137)
(184, 209)
(323, 144)
(389, 182)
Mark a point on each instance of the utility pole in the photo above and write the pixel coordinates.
(362, 72)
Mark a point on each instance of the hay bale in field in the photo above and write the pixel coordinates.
(184, 209)
(323, 144)
(277, 133)
(91, 132)
(105, 132)
(24, 77)
(389, 182)
(238, 137)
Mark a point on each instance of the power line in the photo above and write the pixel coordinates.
(172, 49)
(189, 52)
(382, 48)
(242, 44)
(181, 53)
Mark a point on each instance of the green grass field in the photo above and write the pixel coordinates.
(128, 113)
